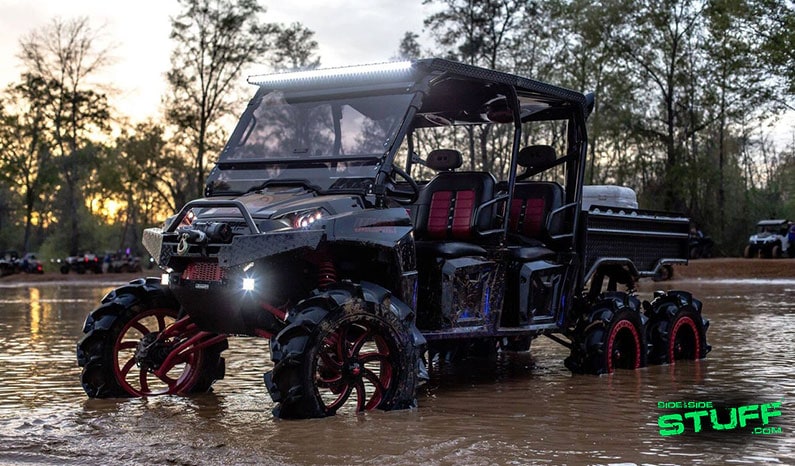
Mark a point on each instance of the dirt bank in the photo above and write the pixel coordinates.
(736, 268)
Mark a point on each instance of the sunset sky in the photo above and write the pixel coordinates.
(347, 31)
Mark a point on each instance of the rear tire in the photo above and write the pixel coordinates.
(676, 329)
(352, 345)
(611, 337)
(124, 327)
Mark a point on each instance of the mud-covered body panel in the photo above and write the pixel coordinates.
(285, 264)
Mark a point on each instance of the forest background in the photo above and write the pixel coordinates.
(686, 96)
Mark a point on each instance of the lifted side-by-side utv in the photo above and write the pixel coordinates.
(344, 223)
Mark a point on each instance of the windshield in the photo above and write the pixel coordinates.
(284, 128)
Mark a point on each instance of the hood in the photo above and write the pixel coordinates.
(276, 201)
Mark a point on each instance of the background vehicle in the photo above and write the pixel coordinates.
(700, 245)
(29, 263)
(81, 264)
(8, 262)
(770, 240)
(791, 239)
(333, 226)
(120, 262)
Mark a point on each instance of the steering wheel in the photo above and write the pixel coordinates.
(415, 189)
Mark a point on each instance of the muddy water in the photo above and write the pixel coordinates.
(525, 409)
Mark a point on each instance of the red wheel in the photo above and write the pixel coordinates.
(623, 346)
(352, 348)
(133, 345)
(684, 341)
(610, 337)
(676, 330)
(149, 361)
(355, 366)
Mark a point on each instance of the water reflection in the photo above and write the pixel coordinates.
(521, 408)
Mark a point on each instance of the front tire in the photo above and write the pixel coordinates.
(133, 347)
(350, 347)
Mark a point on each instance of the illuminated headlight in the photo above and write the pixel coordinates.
(248, 284)
(164, 279)
(304, 218)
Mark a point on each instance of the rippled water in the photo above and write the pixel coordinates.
(525, 409)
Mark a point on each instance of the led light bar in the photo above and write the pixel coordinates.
(390, 70)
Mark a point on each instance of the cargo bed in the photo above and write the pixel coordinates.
(646, 239)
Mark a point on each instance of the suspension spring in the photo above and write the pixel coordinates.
(327, 274)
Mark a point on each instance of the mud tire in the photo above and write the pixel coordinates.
(676, 329)
(310, 348)
(106, 327)
(610, 337)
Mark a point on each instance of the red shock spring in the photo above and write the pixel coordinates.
(327, 274)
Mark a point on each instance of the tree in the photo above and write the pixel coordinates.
(658, 45)
(409, 48)
(480, 33)
(25, 157)
(141, 173)
(214, 40)
(773, 21)
(64, 55)
(294, 48)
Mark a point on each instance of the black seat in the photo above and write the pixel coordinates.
(531, 205)
(533, 201)
(450, 213)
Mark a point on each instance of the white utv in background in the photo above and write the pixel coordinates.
(770, 240)
(606, 195)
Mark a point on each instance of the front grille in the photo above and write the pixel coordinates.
(203, 271)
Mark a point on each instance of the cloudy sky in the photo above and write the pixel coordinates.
(348, 32)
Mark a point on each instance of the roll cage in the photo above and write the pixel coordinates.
(403, 97)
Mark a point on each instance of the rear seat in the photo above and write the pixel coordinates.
(531, 205)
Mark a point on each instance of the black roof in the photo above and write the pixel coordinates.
(521, 84)
(446, 79)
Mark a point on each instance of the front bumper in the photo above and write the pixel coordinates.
(207, 279)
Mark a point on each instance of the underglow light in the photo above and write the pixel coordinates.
(248, 284)
(164, 279)
(308, 76)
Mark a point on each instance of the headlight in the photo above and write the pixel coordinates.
(304, 218)
(248, 284)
